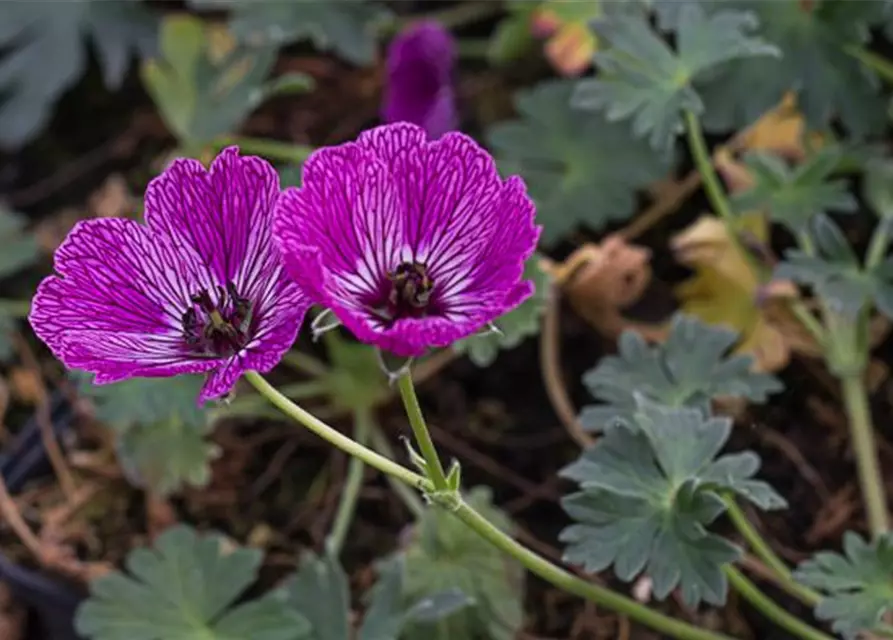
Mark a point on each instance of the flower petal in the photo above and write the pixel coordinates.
(115, 280)
(349, 212)
(225, 215)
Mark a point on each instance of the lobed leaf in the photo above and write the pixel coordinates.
(642, 79)
(186, 587)
(648, 494)
(44, 54)
(857, 588)
(349, 28)
(792, 196)
(580, 169)
(688, 370)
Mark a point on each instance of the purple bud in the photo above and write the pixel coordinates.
(419, 85)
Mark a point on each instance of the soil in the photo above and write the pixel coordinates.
(498, 421)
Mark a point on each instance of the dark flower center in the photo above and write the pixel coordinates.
(411, 289)
(219, 329)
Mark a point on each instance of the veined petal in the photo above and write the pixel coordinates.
(349, 212)
(114, 278)
(225, 215)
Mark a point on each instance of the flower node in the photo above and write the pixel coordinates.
(411, 289)
(217, 329)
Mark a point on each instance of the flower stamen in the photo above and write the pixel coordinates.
(411, 289)
(224, 329)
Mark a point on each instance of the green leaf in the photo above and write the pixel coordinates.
(642, 79)
(513, 327)
(160, 429)
(647, 496)
(513, 36)
(828, 82)
(857, 586)
(579, 168)
(320, 592)
(446, 556)
(877, 188)
(793, 195)
(688, 370)
(185, 587)
(44, 54)
(349, 28)
(355, 380)
(201, 92)
(836, 274)
(18, 250)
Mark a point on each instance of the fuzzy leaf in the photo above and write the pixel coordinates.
(647, 496)
(813, 38)
(43, 45)
(515, 326)
(185, 587)
(836, 275)
(792, 196)
(857, 586)
(580, 169)
(445, 556)
(161, 432)
(18, 250)
(346, 27)
(688, 370)
(642, 79)
(320, 592)
(205, 84)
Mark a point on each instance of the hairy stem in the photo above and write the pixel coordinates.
(717, 196)
(871, 480)
(335, 437)
(532, 561)
(765, 605)
(409, 497)
(420, 432)
(352, 485)
(763, 551)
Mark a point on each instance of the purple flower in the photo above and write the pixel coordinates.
(419, 87)
(411, 243)
(198, 289)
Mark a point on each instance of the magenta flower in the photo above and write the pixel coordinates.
(198, 289)
(419, 85)
(410, 243)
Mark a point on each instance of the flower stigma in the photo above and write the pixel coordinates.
(224, 329)
(411, 289)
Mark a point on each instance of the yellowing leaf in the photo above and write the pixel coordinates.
(725, 289)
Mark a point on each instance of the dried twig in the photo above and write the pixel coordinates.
(13, 516)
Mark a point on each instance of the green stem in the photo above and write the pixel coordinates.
(409, 497)
(763, 551)
(572, 584)
(768, 608)
(335, 437)
(877, 249)
(250, 405)
(352, 485)
(15, 308)
(871, 481)
(475, 521)
(878, 64)
(270, 149)
(420, 431)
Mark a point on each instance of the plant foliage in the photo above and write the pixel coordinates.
(579, 168)
(648, 492)
(349, 28)
(793, 195)
(688, 370)
(857, 588)
(186, 587)
(18, 250)
(44, 54)
(641, 78)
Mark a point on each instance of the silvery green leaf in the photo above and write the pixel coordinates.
(689, 369)
(856, 585)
